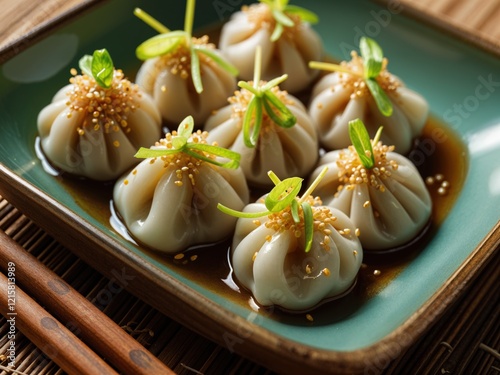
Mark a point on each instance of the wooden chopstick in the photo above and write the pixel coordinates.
(96, 329)
(53, 338)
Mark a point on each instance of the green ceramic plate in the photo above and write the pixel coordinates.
(462, 85)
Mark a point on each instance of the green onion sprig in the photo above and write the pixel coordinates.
(263, 100)
(181, 143)
(373, 58)
(98, 66)
(280, 9)
(361, 141)
(169, 41)
(284, 195)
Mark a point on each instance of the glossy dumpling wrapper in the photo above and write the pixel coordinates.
(170, 203)
(94, 132)
(171, 85)
(390, 203)
(287, 152)
(290, 54)
(273, 265)
(339, 98)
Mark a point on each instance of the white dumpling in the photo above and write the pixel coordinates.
(169, 203)
(340, 97)
(171, 86)
(389, 203)
(94, 132)
(287, 152)
(272, 263)
(290, 54)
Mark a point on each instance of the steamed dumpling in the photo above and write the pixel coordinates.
(389, 203)
(168, 80)
(169, 203)
(288, 152)
(290, 54)
(341, 97)
(94, 132)
(268, 257)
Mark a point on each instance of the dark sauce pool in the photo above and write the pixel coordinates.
(438, 152)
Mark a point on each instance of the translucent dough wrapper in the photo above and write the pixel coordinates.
(171, 218)
(288, 55)
(275, 271)
(287, 152)
(332, 107)
(176, 96)
(388, 218)
(97, 154)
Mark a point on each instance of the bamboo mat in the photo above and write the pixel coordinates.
(464, 341)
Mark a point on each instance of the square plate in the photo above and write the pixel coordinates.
(461, 84)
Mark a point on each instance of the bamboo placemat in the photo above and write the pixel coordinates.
(464, 341)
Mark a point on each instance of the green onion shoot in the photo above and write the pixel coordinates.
(283, 198)
(373, 65)
(362, 144)
(167, 42)
(183, 141)
(281, 12)
(98, 66)
(263, 100)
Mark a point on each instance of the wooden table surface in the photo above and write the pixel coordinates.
(456, 344)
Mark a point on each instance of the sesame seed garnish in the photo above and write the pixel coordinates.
(261, 17)
(125, 182)
(309, 317)
(239, 103)
(178, 62)
(355, 81)
(355, 252)
(308, 269)
(179, 256)
(185, 165)
(326, 272)
(377, 272)
(193, 257)
(254, 256)
(106, 110)
(357, 232)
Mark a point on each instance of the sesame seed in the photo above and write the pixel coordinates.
(357, 232)
(254, 256)
(326, 272)
(445, 184)
(309, 317)
(179, 256)
(377, 272)
(125, 182)
(442, 191)
(429, 180)
(439, 177)
(193, 258)
(355, 252)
